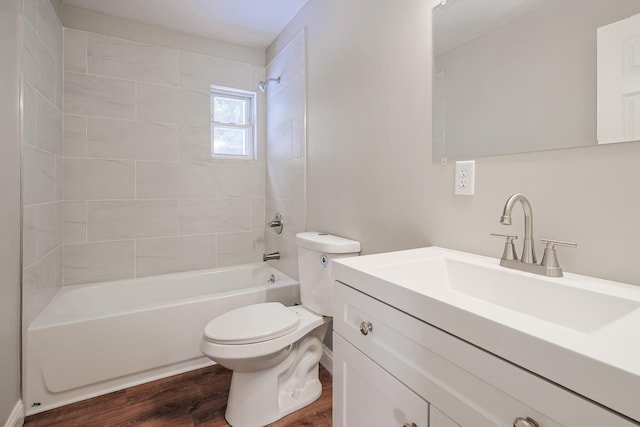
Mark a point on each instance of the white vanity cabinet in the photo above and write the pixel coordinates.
(392, 369)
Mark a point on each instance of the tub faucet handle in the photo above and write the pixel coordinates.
(277, 223)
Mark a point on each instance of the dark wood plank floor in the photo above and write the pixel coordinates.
(196, 398)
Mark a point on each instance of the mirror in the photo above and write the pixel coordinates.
(514, 76)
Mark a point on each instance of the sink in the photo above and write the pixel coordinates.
(547, 299)
(577, 331)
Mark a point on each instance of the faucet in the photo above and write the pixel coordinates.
(277, 223)
(271, 256)
(527, 261)
(528, 250)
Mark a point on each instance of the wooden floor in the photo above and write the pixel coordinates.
(196, 398)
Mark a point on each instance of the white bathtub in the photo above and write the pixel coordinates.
(97, 338)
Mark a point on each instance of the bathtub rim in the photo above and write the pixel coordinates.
(46, 319)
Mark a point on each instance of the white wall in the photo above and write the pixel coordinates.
(370, 170)
(9, 209)
(368, 115)
(142, 194)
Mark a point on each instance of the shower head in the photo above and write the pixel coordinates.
(263, 85)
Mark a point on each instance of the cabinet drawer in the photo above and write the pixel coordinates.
(472, 387)
(367, 395)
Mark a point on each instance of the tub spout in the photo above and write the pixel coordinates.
(271, 256)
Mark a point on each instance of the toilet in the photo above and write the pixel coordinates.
(274, 350)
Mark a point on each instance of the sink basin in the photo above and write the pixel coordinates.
(547, 299)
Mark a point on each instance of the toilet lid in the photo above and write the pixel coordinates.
(252, 324)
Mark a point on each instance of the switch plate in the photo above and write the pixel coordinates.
(465, 178)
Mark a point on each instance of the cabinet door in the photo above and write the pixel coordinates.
(364, 394)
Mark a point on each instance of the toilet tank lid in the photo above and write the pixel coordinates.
(323, 242)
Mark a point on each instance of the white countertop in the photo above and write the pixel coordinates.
(599, 362)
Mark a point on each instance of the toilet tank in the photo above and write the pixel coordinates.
(315, 252)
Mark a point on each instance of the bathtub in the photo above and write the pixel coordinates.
(97, 338)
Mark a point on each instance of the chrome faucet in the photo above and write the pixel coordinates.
(527, 261)
(528, 250)
(271, 256)
(277, 223)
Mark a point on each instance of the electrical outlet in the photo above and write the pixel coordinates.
(465, 178)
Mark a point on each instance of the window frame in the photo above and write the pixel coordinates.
(249, 98)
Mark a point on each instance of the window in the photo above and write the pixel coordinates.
(232, 123)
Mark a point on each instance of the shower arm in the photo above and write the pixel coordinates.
(263, 85)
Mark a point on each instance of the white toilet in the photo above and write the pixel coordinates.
(274, 350)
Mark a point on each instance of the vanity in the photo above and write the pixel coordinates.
(441, 338)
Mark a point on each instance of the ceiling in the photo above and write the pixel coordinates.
(253, 23)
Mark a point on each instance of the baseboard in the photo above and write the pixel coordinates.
(327, 359)
(16, 418)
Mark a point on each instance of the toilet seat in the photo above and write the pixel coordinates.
(252, 324)
(237, 352)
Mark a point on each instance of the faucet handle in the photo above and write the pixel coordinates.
(551, 243)
(550, 259)
(509, 252)
(506, 236)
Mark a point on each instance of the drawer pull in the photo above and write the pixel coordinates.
(365, 328)
(409, 425)
(525, 422)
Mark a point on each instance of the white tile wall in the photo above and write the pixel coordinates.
(286, 178)
(199, 216)
(49, 126)
(40, 281)
(74, 222)
(39, 176)
(240, 248)
(38, 63)
(124, 59)
(199, 71)
(159, 180)
(75, 50)
(173, 105)
(258, 215)
(97, 262)
(130, 219)
(285, 185)
(241, 179)
(75, 136)
(127, 139)
(95, 179)
(99, 96)
(49, 28)
(42, 156)
(165, 255)
(194, 143)
(143, 195)
(48, 228)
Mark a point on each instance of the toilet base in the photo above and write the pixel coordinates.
(260, 398)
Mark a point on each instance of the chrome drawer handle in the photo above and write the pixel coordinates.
(365, 328)
(525, 422)
(409, 425)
